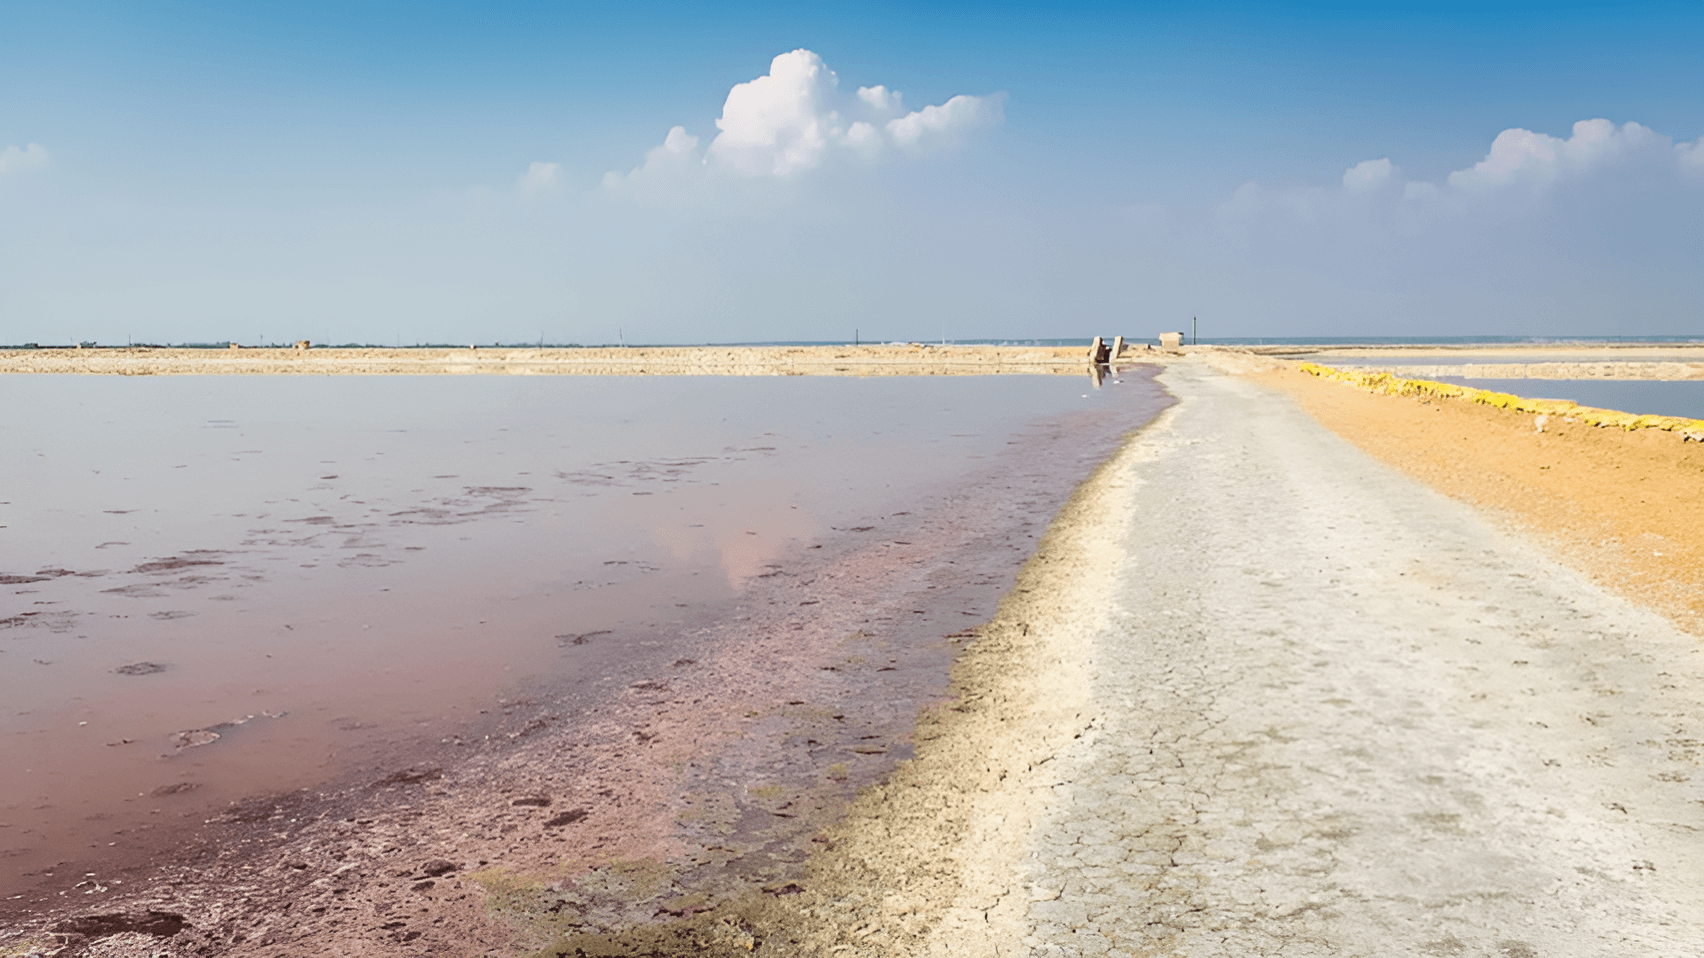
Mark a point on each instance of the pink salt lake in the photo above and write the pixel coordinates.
(220, 587)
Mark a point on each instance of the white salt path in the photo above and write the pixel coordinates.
(1337, 713)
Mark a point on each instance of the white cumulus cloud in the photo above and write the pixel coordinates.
(15, 159)
(1523, 157)
(1521, 165)
(1536, 233)
(956, 116)
(1369, 175)
(1691, 155)
(880, 98)
(677, 154)
(780, 123)
(864, 138)
(540, 180)
(795, 119)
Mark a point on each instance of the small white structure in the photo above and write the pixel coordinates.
(1171, 342)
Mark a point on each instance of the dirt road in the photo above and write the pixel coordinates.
(1332, 712)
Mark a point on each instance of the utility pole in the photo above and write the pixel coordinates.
(1194, 340)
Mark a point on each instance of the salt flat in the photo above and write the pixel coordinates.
(1329, 711)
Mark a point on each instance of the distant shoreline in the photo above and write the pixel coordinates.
(884, 360)
(1645, 360)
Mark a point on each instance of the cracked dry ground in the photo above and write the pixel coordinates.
(1336, 713)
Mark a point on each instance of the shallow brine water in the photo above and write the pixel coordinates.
(221, 587)
(1678, 398)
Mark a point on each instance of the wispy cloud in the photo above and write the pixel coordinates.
(677, 154)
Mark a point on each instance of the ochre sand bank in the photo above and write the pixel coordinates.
(1102, 778)
(1625, 505)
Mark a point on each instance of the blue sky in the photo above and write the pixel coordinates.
(466, 172)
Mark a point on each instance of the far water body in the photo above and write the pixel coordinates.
(1482, 359)
(214, 587)
(1683, 398)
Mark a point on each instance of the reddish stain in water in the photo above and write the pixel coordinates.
(262, 633)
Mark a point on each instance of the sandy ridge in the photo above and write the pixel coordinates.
(873, 360)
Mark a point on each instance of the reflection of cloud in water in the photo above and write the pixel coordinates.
(503, 557)
(747, 526)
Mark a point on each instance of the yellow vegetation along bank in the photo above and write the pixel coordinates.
(1625, 505)
(1385, 383)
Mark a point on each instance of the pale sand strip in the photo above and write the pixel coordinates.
(874, 360)
(1607, 363)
